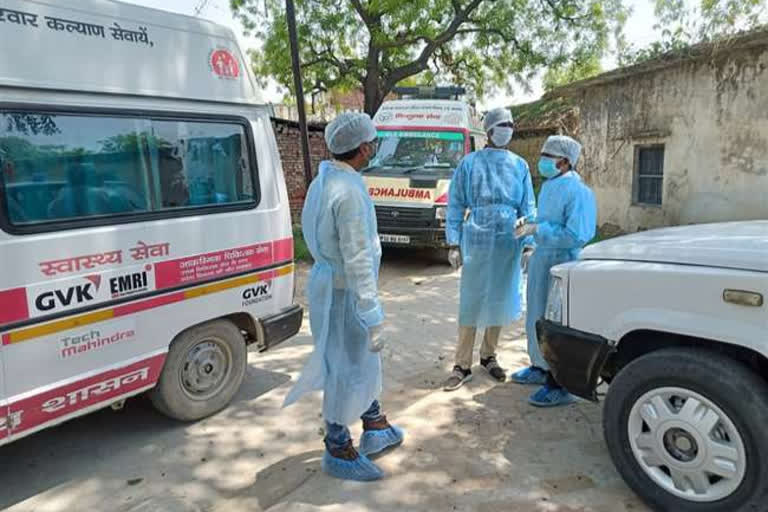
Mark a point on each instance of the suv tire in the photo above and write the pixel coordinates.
(657, 443)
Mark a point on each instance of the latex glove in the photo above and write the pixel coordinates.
(454, 258)
(376, 339)
(524, 228)
(526, 257)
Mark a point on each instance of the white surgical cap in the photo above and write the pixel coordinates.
(564, 147)
(496, 117)
(348, 132)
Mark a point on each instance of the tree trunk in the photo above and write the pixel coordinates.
(372, 84)
(373, 99)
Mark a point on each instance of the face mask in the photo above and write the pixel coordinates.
(548, 167)
(501, 136)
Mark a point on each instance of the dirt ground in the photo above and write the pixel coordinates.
(481, 448)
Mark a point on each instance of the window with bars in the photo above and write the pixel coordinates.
(649, 175)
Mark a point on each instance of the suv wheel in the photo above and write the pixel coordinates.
(687, 431)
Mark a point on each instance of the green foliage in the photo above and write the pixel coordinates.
(686, 22)
(703, 20)
(572, 72)
(300, 249)
(30, 124)
(542, 110)
(375, 45)
(18, 149)
(132, 143)
(537, 186)
(14, 149)
(597, 239)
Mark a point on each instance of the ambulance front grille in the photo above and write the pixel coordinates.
(395, 217)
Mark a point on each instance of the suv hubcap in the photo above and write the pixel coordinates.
(681, 445)
(686, 444)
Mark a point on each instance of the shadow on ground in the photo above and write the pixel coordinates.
(481, 448)
(90, 446)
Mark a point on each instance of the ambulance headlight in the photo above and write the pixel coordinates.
(440, 212)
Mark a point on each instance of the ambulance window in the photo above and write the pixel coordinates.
(472, 143)
(200, 163)
(66, 167)
(69, 168)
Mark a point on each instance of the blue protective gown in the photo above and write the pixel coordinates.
(494, 187)
(566, 220)
(339, 225)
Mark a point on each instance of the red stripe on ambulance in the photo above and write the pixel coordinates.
(283, 250)
(13, 305)
(188, 270)
(46, 407)
(212, 265)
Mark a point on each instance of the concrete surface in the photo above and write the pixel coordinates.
(481, 448)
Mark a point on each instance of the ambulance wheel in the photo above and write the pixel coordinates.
(204, 369)
(439, 256)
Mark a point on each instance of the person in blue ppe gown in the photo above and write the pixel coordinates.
(566, 221)
(346, 317)
(490, 190)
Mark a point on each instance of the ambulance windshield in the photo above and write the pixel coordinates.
(406, 152)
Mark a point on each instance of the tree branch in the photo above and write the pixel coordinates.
(505, 37)
(327, 56)
(560, 15)
(319, 60)
(422, 61)
(368, 18)
(402, 40)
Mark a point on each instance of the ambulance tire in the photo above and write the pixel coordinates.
(204, 369)
(439, 256)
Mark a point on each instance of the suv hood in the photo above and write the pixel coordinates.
(740, 245)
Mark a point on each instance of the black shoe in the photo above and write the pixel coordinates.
(493, 368)
(457, 379)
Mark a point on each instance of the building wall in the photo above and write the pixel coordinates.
(711, 116)
(529, 147)
(289, 146)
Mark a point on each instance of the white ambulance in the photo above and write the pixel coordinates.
(421, 141)
(145, 235)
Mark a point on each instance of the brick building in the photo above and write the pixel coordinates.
(289, 146)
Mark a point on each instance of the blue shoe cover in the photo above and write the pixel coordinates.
(361, 469)
(551, 397)
(530, 376)
(376, 441)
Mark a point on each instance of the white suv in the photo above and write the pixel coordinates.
(675, 320)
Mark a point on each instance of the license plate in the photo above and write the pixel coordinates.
(395, 239)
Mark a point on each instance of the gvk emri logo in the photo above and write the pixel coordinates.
(129, 284)
(70, 296)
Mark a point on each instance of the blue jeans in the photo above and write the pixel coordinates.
(337, 436)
